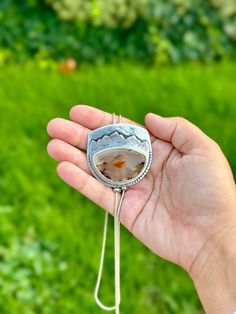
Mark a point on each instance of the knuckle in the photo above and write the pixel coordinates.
(182, 120)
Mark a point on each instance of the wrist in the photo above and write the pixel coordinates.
(214, 273)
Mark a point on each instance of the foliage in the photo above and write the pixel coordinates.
(188, 30)
(26, 265)
(33, 30)
(115, 13)
(227, 9)
(50, 235)
(105, 30)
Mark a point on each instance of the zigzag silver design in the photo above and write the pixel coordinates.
(119, 140)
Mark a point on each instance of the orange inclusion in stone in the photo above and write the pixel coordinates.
(119, 164)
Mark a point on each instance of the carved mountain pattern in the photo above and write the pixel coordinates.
(120, 139)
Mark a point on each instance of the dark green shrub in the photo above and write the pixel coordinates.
(188, 30)
(144, 30)
(107, 13)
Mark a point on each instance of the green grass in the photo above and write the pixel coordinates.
(50, 236)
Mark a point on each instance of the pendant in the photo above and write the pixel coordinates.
(118, 155)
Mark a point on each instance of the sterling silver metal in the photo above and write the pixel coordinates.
(119, 136)
(108, 141)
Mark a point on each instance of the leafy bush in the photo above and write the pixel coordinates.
(227, 9)
(188, 30)
(31, 29)
(108, 13)
(106, 30)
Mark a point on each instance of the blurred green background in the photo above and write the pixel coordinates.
(175, 58)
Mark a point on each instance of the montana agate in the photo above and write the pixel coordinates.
(119, 164)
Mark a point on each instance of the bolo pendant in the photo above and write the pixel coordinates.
(119, 155)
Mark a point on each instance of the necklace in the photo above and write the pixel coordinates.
(118, 155)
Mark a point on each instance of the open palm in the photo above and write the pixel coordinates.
(181, 202)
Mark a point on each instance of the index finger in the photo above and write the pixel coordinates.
(93, 118)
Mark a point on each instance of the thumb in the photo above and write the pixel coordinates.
(182, 134)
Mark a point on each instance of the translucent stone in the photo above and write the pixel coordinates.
(119, 164)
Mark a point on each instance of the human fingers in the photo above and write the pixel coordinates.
(68, 131)
(93, 118)
(182, 134)
(86, 185)
(62, 151)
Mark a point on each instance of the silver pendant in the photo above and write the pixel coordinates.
(119, 155)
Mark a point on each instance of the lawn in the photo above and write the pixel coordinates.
(50, 235)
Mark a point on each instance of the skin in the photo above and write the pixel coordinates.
(184, 210)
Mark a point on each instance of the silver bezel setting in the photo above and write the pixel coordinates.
(120, 135)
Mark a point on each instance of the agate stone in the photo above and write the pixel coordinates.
(119, 164)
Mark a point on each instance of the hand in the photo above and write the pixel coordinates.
(182, 209)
